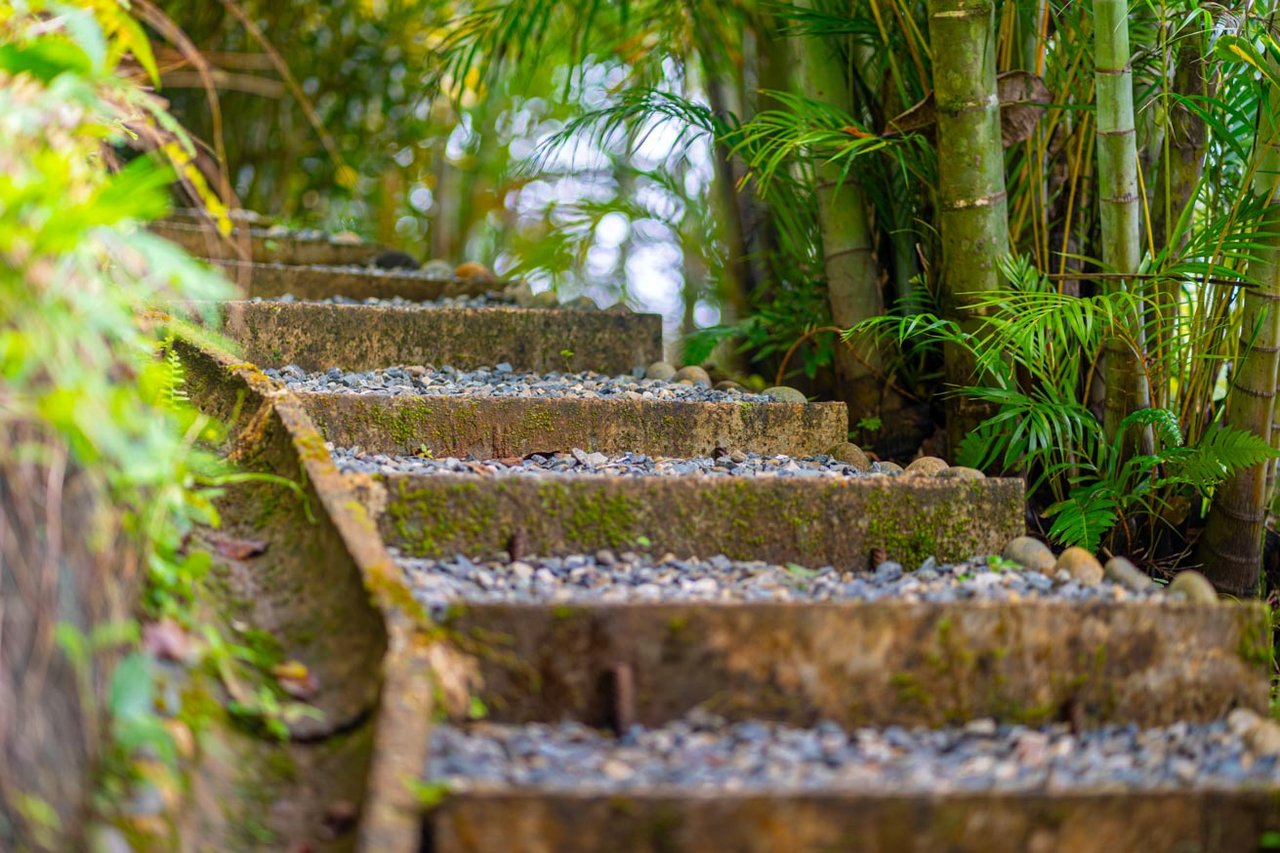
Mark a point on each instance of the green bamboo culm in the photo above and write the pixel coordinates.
(973, 207)
(853, 275)
(1231, 547)
(1120, 208)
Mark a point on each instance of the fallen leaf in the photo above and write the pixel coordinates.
(238, 549)
(166, 640)
(1022, 99)
(295, 679)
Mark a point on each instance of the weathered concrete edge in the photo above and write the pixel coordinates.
(318, 336)
(267, 279)
(494, 427)
(819, 521)
(871, 663)
(405, 699)
(204, 241)
(1095, 820)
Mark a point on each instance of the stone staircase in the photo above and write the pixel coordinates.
(809, 691)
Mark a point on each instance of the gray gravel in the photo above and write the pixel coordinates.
(703, 752)
(486, 300)
(580, 463)
(501, 381)
(632, 577)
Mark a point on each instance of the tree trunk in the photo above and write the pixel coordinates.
(1231, 547)
(853, 276)
(973, 215)
(1120, 205)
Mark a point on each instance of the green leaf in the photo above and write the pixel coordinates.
(131, 688)
(1083, 517)
(45, 59)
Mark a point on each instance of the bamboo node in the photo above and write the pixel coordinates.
(968, 203)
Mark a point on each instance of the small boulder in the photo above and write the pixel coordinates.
(395, 260)
(346, 238)
(694, 375)
(544, 299)
(959, 472)
(1082, 566)
(1121, 571)
(728, 385)
(437, 269)
(785, 394)
(583, 303)
(1260, 734)
(472, 270)
(660, 370)
(889, 467)
(520, 293)
(1194, 587)
(850, 454)
(1030, 553)
(927, 466)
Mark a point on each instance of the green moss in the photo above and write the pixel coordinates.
(1255, 645)
(432, 519)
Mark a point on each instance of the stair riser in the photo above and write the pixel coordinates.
(966, 823)
(501, 427)
(859, 664)
(811, 522)
(317, 337)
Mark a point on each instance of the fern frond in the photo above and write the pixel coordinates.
(1084, 517)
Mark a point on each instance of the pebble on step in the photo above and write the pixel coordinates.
(578, 463)
(708, 753)
(499, 382)
(631, 576)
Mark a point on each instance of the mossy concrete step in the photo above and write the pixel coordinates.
(678, 819)
(498, 427)
(204, 242)
(856, 663)
(819, 521)
(318, 281)
(318, 336)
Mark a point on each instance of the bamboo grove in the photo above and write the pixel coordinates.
(1038, 237)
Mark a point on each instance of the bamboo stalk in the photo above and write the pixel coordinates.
(853, 275)
(1231, 547)
(1120, 206)
(972, 203)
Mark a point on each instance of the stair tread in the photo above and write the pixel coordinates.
(708, 755)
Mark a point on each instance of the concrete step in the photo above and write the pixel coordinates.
(317, 336)
(864, 662)
(358, 282)
(1094, 820)
(812, 521)
(497, 427)
(204, 242)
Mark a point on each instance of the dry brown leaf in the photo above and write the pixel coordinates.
(1022, 96)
